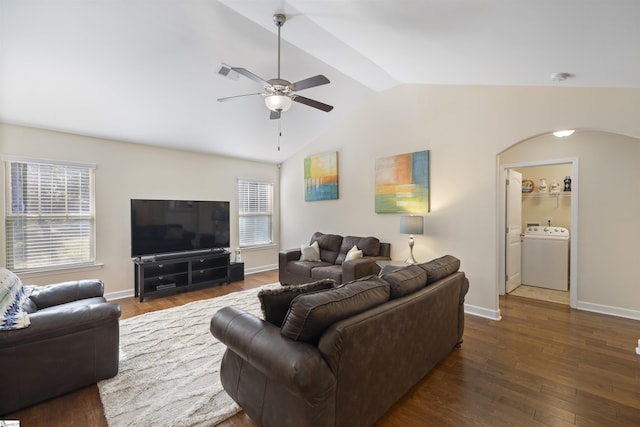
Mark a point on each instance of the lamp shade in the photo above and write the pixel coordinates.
(411, 224)
(278, 102)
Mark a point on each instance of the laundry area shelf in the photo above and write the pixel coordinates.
(538, 194)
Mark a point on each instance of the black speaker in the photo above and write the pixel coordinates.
(236, 271)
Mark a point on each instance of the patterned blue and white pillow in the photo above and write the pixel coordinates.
(12, 296)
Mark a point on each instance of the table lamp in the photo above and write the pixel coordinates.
(411, 225)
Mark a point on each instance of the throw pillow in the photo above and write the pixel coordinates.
(310, 253)
(353, 253)
(405, 280)
(310, 314)
(440, 268)
(12, 296)
(275, 302)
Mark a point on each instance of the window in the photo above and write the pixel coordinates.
(49, 215)
(255, 212)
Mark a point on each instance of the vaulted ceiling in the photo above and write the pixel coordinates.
(146, 71)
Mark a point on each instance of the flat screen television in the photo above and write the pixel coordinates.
(164, 226)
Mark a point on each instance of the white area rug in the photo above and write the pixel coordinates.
(169, 367)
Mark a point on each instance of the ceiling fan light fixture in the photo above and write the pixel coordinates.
(278, 102)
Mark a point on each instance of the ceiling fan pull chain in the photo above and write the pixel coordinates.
(279, 131)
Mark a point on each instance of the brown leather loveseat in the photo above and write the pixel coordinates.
(343, 356)
(72, 342)
(332, 264)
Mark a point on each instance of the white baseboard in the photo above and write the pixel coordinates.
(482, 312)
(261, 269)
(119, 295)
(607, 309)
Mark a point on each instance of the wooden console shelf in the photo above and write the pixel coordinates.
(170, 274)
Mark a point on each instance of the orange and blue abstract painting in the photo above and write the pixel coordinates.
(402, 183)
(321, 177)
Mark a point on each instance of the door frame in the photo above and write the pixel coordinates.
(502, 222)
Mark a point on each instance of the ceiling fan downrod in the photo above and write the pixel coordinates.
(279, 19)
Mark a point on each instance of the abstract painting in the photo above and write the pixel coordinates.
(321, 176)
(402, 183)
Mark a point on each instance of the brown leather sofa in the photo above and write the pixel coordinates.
(333, 251)
(350, 372)
(72, 342)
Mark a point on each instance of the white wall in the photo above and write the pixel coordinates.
(126, 171)
(465, 128)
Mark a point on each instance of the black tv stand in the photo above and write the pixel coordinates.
(164, 274)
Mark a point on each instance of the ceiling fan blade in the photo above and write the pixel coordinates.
(275, 115)
(248, 74)
(231, 98)
(310, 82)
(312, 103)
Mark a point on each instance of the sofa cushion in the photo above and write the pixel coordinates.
(275, 302)
(370, 246)
(329, 245)
(405, 280)
(310, 314)
(332, 271)
(12, 296)
(304, 268)
(440, 268)
(310, 253)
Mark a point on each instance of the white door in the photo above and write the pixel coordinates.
(513, 260)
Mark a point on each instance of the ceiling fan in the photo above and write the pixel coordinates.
(279, 93)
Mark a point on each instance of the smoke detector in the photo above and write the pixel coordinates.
(560, 77)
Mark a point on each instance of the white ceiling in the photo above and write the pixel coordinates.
(145, 71)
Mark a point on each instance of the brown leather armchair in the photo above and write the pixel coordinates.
(72, 342)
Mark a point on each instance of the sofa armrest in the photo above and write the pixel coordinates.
(360, 267)
(385, 250)
(56, 323)
(295, 365)
(61, 293)
(287, 255)
(284, 258)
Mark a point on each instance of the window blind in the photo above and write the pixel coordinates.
(255, 212)
(50, 215)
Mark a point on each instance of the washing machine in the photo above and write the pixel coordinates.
(545, 257)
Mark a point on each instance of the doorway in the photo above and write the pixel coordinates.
(523, 206)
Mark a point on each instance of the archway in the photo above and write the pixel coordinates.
(604, 231)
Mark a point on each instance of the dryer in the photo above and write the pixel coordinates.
(545, 257)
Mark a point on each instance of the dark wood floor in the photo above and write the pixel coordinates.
(543, 364)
